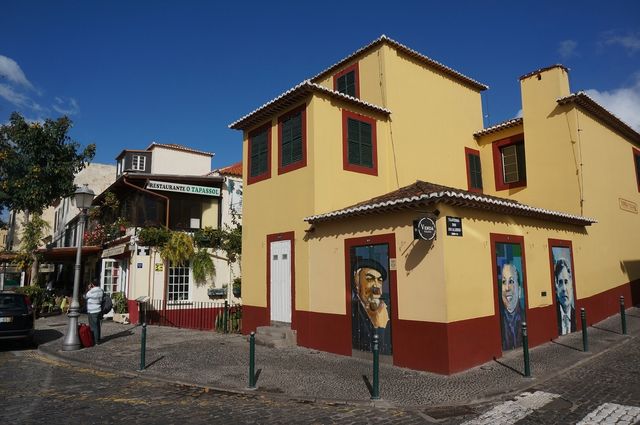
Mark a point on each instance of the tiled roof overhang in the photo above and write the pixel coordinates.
(593, 108)
(546, 68)
(469, 82)
(177, 147)
(293, 97)
(499, 127)
(424, 194)
(232, 170)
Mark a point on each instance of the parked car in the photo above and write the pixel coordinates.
(16, 317)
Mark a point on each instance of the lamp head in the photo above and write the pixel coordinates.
(84, 196)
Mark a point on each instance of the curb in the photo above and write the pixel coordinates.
(50, 352)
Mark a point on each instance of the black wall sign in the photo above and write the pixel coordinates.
(424, 228)
(454, 226)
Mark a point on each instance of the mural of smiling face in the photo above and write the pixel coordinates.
(510, 287)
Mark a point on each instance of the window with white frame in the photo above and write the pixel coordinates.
(111, 276)
(179, 278)
(138, 162)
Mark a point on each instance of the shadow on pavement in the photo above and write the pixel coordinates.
(566, 346)
(606, 330)
(43, 336)
(147, 366)
(126, 332)
(508, 367)
(365, 378)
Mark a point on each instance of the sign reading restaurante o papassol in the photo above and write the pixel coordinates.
(183, 188)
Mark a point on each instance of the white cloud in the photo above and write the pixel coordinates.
(18, 99)
(630, 41)
(63, 107)
(623, 102)
(567, 49)
(10, 70)
(518, 114)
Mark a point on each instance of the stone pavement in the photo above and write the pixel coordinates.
(218, 361)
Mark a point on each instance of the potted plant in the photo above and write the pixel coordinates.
(237, 286)
(120, 308)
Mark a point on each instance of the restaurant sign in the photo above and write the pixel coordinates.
(183, 188)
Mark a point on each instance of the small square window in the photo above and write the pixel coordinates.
(347, 81)
(138, 162)
(509, 163)
(359, 143)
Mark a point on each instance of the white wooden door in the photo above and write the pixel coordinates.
(281, 281)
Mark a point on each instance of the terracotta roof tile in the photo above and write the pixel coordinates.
(293, 97)
(177, 147)
(593, 108)
(410, 52)
(546, 68)
(498, 127)
(424, 194)
(232, 170)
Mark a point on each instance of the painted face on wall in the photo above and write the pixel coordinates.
(510, 287)
(369, 283)
(564, 286)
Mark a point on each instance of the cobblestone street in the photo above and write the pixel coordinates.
(36, 389)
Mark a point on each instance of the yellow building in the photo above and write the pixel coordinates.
(375, 203)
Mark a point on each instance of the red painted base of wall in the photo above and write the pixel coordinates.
(448, 348)
(600, 306)
(325, 332)
(132, 305)
(252, 317)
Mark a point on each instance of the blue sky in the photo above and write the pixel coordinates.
(132, 72)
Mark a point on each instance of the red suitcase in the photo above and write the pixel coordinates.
(86, 336)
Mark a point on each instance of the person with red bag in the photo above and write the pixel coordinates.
(94, 309)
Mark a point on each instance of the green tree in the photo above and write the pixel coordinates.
(38, 163)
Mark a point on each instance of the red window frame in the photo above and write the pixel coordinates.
(497, 162)
(303, 162)
(467, 152)
(345, 144)
(346, 70)
(266, 175)
(636, 155)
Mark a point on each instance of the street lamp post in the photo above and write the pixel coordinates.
(84, 197)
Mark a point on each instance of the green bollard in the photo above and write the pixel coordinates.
(252, 360)
(585, 337)
(143, 346)
(525, 350)
(623, 316)
(375, 393)
(226, 316)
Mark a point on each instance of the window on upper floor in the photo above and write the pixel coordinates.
(138, 162)
(509, 163)
(259, 154)
(347, 81)
(636, 160)
(474, 170)
(359, 144)
(292, 149)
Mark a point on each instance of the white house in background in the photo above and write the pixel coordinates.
(231, 206)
